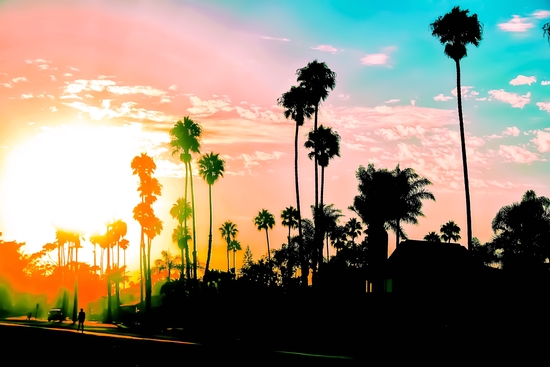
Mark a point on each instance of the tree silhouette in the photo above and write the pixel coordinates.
(296, 106)
(331, 218)
(228, 231)
(265, 220)
(411, 191)
(182, 212)
(211, 168)
(317, 79)
(235, 246)
(432, 237)
(546, 31)
(450, 231)
(289, 216)
(456, 30)
(185, 139)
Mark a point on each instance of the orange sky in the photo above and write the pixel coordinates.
(85, 87)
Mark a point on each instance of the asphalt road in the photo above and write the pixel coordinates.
(32, 345)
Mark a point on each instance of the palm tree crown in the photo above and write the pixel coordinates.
(211, 167)
(265, 220)
(450, 231)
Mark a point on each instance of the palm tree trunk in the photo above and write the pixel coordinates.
(95, 247)
(194, 223)
(75, 296)
(397, 233)
(235, 262)
(124, 275)
(322, 227)
(301, 250)
(316, 208)
(268, 250)
(228, 267)
(209, 233)
(141, 266)
(187, 262)
(148, 283)
(108, 272)
(464, 160)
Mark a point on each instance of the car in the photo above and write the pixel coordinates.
(55, 314)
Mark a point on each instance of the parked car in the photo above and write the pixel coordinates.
(55, 314)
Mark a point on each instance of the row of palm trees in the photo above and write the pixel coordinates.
(450, 231)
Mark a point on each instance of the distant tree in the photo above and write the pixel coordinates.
(546, 30)
(432, 237)
(289, 215)
(450, 231)
(265, 220)
(235, 246)
(456, 30)
(247, 258)
(228, 231)
(182, 211)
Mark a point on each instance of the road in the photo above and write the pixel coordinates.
(36, 343)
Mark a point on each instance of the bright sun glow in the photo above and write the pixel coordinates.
(76, 177)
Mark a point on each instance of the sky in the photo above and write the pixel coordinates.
(85, 86)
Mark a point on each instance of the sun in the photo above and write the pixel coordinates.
(75, 177)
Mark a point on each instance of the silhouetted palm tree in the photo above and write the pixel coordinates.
(331, 218)
(289, 215)
(432, 237)
(296, 106)
(185, 139)
(228, 231)
(265, 220)
(546, 31)
(456, 30)
(235, 246)
(182, 212)
(411, 191)
(450, 231)
(211, 168)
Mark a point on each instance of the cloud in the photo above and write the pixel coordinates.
(325, 48)
(511, 131)
(522, 79)
(344, 96)
(53, 78)
(68, 74)
(413, 102)
(53, 109)
(515, 154)
(138, 89)
(173, 87)
(515, 100)
(394, 100)
(19, 79)
(541, 14)
(545, 82)
(516, 24)
(275, 38)
(400, 132)
(252, 160)
(374, 59)
(544, 106)
(26, 96)
(355, 146)
(542, 141)
(464, 91)
(6, 85)
(203, 108)
(441, 97)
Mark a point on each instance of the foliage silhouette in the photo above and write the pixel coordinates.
(450, 232)
(228, 231)
(265, 220)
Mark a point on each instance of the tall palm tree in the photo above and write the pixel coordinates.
(546, 31)
(185, 139)
(450, 231)
(432, 237)
(456, 30)
(411, 190)
(123, 244)
(182, 211)
(228, 231)
(265, 220)
(296, 106)
(211, 168)
(331, 218)
(317, 79)
(290, 218)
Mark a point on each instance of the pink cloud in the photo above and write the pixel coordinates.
(542, 141)
(516, 154)
(514, 131)
(515, 100)
(394, 100)
(325, 48)
(516, 24)
(541, 14)
(544, 106)
(522, 79)
(375, 59)
(441, 97)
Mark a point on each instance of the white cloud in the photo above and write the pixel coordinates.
(515, 154)
(325, 48)
(275, 38)
(545, 82)
(515, 100)
(375, 59)
(413, 102)
(544, 106)
(522, 79)
(541, 14)
(138, 89)
(441, 97)
(53, 109)
(542, 141)
(394, 100)
(67, 74)
(19, 79)
(26, 96)
(6, 85)
(173, 87)
(252, 160)
(53, 78)
(203, 108)
(463, 91)
(344, 96)
(516, 24)
(165, 100)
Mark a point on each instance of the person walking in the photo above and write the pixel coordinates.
(81, 318)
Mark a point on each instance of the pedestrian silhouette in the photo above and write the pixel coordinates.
(81, 318)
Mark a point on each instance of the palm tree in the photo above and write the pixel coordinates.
(265, 220)
(546, 31)
(289, 215)
(185, 139)
(331, 218)
(182, 212)
(432, 237)
(211, 168)
(411, 190)
(296, 106)
(235, 246)
(450, 231)
(123, 244)
(228, 231)
(456, 30)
